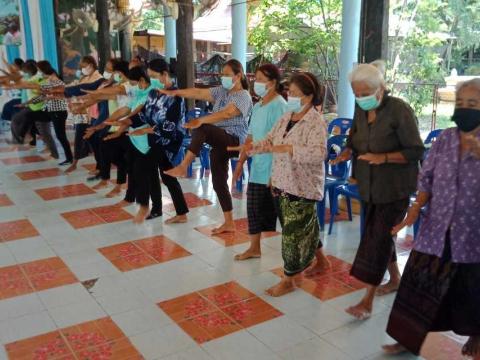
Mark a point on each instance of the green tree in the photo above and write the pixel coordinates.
(309, 29)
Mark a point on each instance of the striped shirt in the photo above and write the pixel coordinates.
(236, 126)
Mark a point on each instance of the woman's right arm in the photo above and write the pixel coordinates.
(192, 93)
(104, 93)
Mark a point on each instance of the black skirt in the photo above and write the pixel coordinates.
(435, 294)
(377, 246)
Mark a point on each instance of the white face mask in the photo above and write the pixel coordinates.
(87, 71)
(107, 75)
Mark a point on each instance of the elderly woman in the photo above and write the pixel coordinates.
(439, 289)
(386, 147)
(298, 143)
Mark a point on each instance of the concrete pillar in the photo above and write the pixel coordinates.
(239, 31)
(170, 34)
(351, 12)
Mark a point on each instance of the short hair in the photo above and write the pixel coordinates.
(90, 60)
(475, 83)
(161, 66)
(45, 67)
(138, 72)
(30, 66)
(121, 66)
(18, 62)
(371, 74)
(309, 85)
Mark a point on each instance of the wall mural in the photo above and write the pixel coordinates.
(10, 35)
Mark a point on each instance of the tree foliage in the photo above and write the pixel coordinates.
(310, 29)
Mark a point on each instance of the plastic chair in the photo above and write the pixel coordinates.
(432, 136)
(335, 175)
(204, 151)
(342, 123)
(349, 191)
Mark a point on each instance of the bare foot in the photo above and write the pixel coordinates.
(388, 288)
(360, 311)
(472, 347)
(45, 151)
(225, 228)
(123, 203)
(71, 168)
(114, 192)
(249, 254)
(283, 287)
(394, 349)
(319, 266)
(178, 171)
(102, 184)
(93, 172)
(141, 215)
(177, 219)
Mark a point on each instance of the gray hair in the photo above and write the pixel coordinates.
(475, 83)
(372, 74)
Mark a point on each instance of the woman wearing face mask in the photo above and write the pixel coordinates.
(386, 144)
(143, 180)
(23, 121)
(298, 143)
(165, 116)
(226, 126)
(55, 111)
(262, 216)
(439, 287)
(91, 79)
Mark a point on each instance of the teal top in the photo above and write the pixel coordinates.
(139, 96)
(140, 141)
(264, 118)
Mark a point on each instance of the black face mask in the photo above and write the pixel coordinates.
(466, 119)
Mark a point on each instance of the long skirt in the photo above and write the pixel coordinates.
(435, 294)
(300, 233)
(377, 247)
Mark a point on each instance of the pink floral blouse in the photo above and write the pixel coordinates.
(303, 173)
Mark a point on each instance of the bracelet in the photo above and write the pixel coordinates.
(386, 158)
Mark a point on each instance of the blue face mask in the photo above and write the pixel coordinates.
(260, 89)
(78, 74)
(368, 103)
(117, 78)
(227, 82)
(157, 84)
(294, 104)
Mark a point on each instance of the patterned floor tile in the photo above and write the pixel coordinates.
(23, 160)
(329, 284)
(99, 339)
(15, 148)
(79, 219)
(34, 276)
(60, 192)
(17, 229)
(240, 236)
(193, 201)
(5, 200)
(218, 311)
(144, 252)
(39, 174)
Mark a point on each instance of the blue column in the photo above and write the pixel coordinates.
(27, 29)
(47, 20)
(239, 31)
(351, 12)
(170, 25)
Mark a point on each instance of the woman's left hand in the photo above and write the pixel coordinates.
(373, 159)
(139, 132)
(282, 149)
(193, 124)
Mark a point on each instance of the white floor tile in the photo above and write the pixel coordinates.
(159, 343)
(64, 295)
(315, 348)
(239, 346)
(139, 321)
(20, 306)
(77, 313)
(26, 326)
(280, 333)
(196, 353)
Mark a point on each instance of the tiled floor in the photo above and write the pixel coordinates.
(78, 280)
